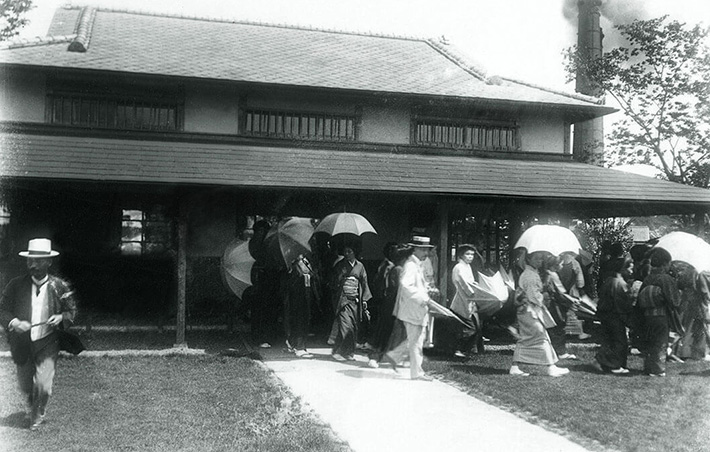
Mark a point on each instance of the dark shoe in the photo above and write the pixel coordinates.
(390, 362)
(598, 367)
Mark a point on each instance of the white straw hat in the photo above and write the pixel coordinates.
(39, 248)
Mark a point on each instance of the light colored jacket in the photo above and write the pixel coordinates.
(463, 303)
(413, 296)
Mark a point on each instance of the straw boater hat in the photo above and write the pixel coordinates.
(421, 241)
(39, 248)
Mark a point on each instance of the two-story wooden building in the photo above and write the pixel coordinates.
(143, 144)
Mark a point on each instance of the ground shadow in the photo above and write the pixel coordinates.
(699, 373)
(478, 370)
(15, 420)
(371, 374)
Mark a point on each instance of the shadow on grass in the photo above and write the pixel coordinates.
(15, 420)
(700, 373)
(478, 370)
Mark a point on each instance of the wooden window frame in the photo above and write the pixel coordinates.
(299, 125)
(115, 108)
(149, 216)
(480, 135)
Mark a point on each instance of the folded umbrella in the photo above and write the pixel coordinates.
(491, 293)
(442, 311)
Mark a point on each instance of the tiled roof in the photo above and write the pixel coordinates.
(122, 41)
(101, 159)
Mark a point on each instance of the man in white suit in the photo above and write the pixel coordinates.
(412, 308)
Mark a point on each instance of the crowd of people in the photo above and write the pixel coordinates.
(648, 304)
(645, 306)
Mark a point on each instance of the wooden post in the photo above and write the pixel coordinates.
(443, 216)
(181, 275)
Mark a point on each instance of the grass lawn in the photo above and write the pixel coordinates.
(628, 413)
(175, 403)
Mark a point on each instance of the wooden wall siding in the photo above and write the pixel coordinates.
(251, 166)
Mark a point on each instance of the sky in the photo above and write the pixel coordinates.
(522, 39)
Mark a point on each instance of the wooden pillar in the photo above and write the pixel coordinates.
(181, 275)
(443, 216)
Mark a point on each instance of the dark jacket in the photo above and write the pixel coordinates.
(16, 302)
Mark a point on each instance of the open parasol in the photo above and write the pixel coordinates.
(553, 239)
(288, 239)
(236, 266)
(687, 248)
(345, 223)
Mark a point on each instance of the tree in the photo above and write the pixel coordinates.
(592, 233)
(661, 82)
(11, 17)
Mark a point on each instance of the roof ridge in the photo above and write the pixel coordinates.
(458, 58)
(85, 25)
(36, 41)
(252, 22)
(577, 96)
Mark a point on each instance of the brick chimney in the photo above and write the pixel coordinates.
(588, 144)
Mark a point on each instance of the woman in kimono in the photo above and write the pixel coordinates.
(534, 346)
(696, 318)
(558, 302)
(350, 279)
(463, 304)
(614, 309)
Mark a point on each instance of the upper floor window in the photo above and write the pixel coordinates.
(111, 107)
(305, 126)
(146, 231)
(489, 136)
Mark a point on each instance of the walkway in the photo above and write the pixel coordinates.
(378, 410)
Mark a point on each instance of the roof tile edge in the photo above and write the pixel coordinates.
(458, 58)
(248, 22)
(37, 41)
(578, 96)
(83, 32)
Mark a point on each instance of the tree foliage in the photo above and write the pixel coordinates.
(12, 17)
(661, 81)
(592, 233)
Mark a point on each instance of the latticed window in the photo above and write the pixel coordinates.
(112, 113)
(305, 126)
(483, 136)
(107, 105)
(491, 236)
(145, 231)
